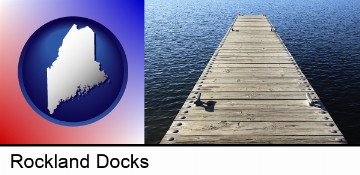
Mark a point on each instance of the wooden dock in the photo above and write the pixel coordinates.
(253, 92)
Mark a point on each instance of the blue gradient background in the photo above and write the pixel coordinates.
(41, 51)
(19, 19)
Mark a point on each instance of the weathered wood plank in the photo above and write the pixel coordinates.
(253, 128)
(254, 87)
(252, 24)
(254, 54)
(249, 109)
(253, 65)
(261, 50)
(252, 33)
(248, 34)
(255, 69)
(239, 103)
(248, 45)
(230, 80)
(252, 61)
(250, 20)
(251, 17)
(239, 48)
(253, 95)
(250, 74)
(252, 57)
(253, 40)
(241, 38)
(252, 28)
(252, 44)
(209, 109)
(291, 117)
(245, 139)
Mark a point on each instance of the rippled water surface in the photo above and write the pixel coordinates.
(322, 35)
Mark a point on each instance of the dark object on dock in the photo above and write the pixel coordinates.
(197, 100)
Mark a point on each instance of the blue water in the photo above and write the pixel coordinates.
(322, 35)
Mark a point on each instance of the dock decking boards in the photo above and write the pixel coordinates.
(253, 92)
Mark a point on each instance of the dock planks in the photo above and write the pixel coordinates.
(253, 92)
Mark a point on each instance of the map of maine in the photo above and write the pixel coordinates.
(75, 71)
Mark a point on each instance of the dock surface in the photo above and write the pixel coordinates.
(253, 92)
